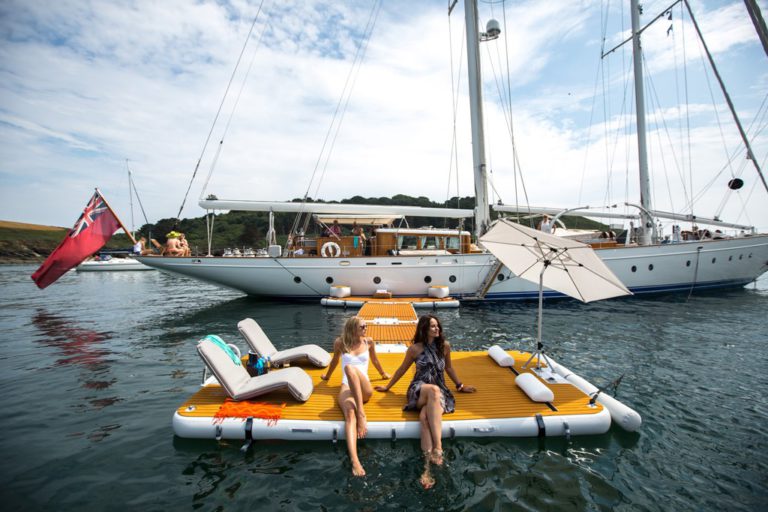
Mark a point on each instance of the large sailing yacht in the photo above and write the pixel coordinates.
(407, 261)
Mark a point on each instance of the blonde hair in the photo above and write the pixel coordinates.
(349, 334)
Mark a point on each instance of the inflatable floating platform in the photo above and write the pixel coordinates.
(437, 297)
(514, 398)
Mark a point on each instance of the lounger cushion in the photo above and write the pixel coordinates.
(230, 375)
(299, 383)
(259, 342)
(240, 385)
(256, 338)
(316, 355)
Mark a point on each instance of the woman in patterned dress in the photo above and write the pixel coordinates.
(427, 391)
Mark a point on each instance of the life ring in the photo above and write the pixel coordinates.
(330, 250)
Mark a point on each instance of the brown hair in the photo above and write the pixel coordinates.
(422, 333)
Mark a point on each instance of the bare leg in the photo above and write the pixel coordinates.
(425, 434)
(426, 480)
(361, 390)
(347, 404)
(429, 400)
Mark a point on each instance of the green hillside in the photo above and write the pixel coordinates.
(21, 242)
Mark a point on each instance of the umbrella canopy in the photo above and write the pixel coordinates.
(568, 266)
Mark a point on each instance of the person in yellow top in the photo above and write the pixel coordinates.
(173, 245)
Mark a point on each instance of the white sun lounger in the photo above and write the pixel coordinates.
(239, 385)
(259, 342)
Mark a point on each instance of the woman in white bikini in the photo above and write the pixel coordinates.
(355, 350)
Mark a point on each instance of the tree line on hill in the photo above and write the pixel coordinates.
(236, 229)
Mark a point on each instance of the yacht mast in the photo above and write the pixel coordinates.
(482, 212)
(642, 153)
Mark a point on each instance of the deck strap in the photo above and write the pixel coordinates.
(542, 427)
(248, 435)
(249, 429)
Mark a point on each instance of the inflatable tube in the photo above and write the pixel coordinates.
(330, 250)
(626, 417)
(438, 292)
(340, 291)
(298, 430)
(343, 302)
(534, 388)
(500, 356)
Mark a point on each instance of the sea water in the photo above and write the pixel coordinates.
(93, 367)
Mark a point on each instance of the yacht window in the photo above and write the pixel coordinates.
(452, 242)
(430, 243)
(407, 242)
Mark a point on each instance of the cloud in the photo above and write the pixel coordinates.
(86, 86)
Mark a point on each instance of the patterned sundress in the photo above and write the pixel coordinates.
(430, 369)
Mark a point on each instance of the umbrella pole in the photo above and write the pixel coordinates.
(541, 306)
(539, 352)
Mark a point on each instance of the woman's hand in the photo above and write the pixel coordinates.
(468, 389)
(385, 376)
(381, 389)
(324, 377)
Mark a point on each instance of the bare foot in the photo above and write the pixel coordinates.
(436, 457)
(426, 480)
(362, 426)
(357, 469)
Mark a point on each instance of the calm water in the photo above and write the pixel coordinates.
(94, 366)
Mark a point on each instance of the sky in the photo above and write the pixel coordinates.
(90, 89)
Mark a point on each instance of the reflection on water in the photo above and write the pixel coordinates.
(85, 348)
(118, 357)
(78, 345)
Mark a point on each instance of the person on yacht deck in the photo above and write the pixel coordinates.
(140, 248)
(546, 225)
(427, 391)
(335, 229)
(172, 245)
(185, 250)
(355, 350)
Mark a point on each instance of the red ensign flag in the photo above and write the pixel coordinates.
(92, 230)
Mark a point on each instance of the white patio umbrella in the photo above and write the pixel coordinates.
(563, 265)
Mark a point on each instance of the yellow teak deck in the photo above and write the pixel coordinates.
(499, 407)
(497, 397)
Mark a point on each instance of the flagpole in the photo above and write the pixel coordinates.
(133, 240)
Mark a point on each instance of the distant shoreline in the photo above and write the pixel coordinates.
(22, 243)
(20, 261)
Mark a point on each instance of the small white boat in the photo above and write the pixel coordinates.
(112, 265)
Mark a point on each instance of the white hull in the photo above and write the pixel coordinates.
(115, 264)
(727, 263)
(308, 430)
